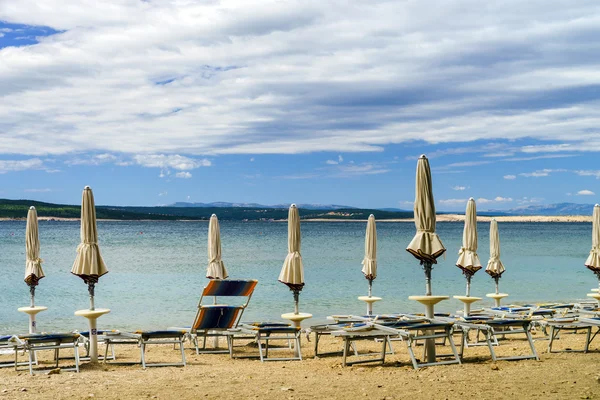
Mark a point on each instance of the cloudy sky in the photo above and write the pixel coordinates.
(152, 102)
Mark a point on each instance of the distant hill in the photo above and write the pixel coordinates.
(221, 204)
(19, 208)
(553, 209)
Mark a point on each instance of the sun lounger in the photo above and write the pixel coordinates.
(490, 328)
(264, 333)
(34, 342)
(571, 325)
(414, 331)
(351, 333)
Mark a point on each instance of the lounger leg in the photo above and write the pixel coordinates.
(230, 345)
(317, 344)
(453, 347)
(31, 361)
(492, 352)
(106, 344)
(530, 339)
(76, 354)
(143, 351)
(411, 353)
(260, 349)
(298, 348)
(182, 352)
(587, 339)
(551, 339)
(346, 347)
(385, 339)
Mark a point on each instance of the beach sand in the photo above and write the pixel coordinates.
(216, 376)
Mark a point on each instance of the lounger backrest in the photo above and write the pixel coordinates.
(216, 317)
(217, 287)
(222, 316)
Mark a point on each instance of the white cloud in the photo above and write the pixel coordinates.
(229, 77)
(45, 190)
(453, 201)
(331, 162)
(340, 159)
(93, 159)
(585, 193)
(20, 165)
(351, 170)
(510, 177)
(163, 193)
(541, 173)
(252, 159)
(183, 175)
(588, 173)
(460, 188)
(175, 161)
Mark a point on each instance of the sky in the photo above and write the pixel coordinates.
(157, 101)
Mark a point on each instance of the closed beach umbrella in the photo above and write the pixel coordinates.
(292, 273)
(495, 268)
(468, 260)
(593, 260)
(33, 262)
(426, 245)
(89, 264)
(369, 263)
(216, 268)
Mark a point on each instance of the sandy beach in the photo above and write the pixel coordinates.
(212, 376)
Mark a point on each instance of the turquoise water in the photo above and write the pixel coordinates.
(156, 278)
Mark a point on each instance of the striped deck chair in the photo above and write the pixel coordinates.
(213, 320)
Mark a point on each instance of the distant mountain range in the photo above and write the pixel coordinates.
(221, 204)
(552, 209)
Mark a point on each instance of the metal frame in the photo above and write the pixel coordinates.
(413, 334)
(33, 344)
(351, 335)
(572, 326)
(146, 340)
(263, 337)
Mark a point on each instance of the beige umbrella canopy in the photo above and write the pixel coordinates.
(468, 260)
(216, 267)
(89, 264)
(426, 245)
(593, 260)
(369, 263)
(33, 262)
(292, 272)
(495, 268)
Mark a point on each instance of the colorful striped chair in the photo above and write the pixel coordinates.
(213, 320)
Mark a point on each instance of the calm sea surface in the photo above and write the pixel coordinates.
(156, 278)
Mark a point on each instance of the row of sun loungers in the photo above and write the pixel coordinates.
(212, 321)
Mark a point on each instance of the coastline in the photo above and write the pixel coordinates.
(439, 218)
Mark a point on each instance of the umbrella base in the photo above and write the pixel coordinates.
(369, 300)
(32, 311)
(595, 290)
(467, 300)
(296, 318)
(594, 296)
(497, 297)
(429, 302)
(92, 316)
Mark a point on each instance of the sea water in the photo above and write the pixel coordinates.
(157, 269)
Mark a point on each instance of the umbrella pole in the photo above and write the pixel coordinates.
(91, 287)
(468, 285)
(296, 300)
(427, 266)
(369, 304)
(32, 292)
(497, 279)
